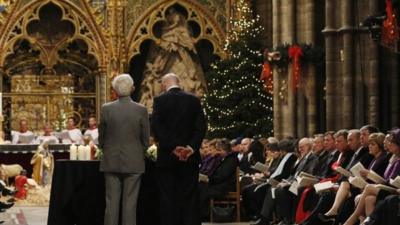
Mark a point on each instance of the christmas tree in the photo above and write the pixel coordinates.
(236, 103)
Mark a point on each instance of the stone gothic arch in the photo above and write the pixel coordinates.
(198, 40)
(78, 12)
(41, 39)
(142, 30)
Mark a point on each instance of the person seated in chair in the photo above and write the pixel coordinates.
(253, 195)
(223, 179)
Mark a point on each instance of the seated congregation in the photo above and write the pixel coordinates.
(345, 177)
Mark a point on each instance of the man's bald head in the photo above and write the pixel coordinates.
(169, 80)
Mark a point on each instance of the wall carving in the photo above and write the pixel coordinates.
(93, 40)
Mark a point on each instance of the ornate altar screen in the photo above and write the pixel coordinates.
(47, 98)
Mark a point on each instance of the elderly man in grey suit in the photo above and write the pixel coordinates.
(124, 137)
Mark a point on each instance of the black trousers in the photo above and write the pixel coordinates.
(286, 204)
(387, 211)
(268, 204)
(178, 186)
(325, 202)
(253, 199)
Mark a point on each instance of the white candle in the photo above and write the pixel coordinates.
(81, 152)
(88, 152)
(1, 103)
(73, 152)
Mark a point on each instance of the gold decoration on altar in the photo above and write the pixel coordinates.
(40, 103)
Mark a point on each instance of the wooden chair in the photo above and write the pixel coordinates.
(231, 198)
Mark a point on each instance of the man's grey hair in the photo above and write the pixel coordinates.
(123, 85)
(272, 140)
(306, 141)
(356, 132)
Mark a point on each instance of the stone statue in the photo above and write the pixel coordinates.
(175, 53)
(43, 165)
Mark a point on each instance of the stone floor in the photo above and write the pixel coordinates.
(38, 216)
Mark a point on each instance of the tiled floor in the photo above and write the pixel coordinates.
(38, 216)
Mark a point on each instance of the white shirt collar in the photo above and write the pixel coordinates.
(358, 150)
(173, 86)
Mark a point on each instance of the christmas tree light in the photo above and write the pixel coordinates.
(236, 103)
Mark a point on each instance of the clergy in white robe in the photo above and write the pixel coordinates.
(47, 136)
(72, 135)
(92, 131)
(23, 135)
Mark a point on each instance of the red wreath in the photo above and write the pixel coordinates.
(390, 32)
(295, 53)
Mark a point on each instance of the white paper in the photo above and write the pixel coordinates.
(375, 177)
(343, 171)
(395, 182)
(355, 170)
(294, 188)
(260, 167)
(358, 182)
(25, 139)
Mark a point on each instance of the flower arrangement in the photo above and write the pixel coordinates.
(151, 153)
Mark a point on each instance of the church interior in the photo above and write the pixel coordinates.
(292, 76)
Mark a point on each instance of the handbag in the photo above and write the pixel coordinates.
(223, 214)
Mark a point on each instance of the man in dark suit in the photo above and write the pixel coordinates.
(124, 137)
(283, 171)
(286, 201)
(178, 124)
(223, 180)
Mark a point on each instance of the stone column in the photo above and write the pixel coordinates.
(348, 64)
(329, 33)
(263, 8)
(102, 88)
(278, 133)
(288, 24)
(372, 79)
(307, 35)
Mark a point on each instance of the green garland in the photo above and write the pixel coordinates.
(311, 54)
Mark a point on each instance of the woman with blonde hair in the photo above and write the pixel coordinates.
(348, 192)
(371, 193)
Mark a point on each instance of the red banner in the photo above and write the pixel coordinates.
(390, 33)
(266, 77)
(295, 52)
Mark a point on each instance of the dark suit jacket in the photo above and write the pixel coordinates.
(379, 164)
(362, 156)
(305, 165)
(123, 136)
(223, 179)
(287, 168)
(274, 165)
(346, 158)
(245, 164)
(321, 163)
(326, 170)
(177, 120)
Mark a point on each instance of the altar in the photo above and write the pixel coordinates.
(78, 195)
